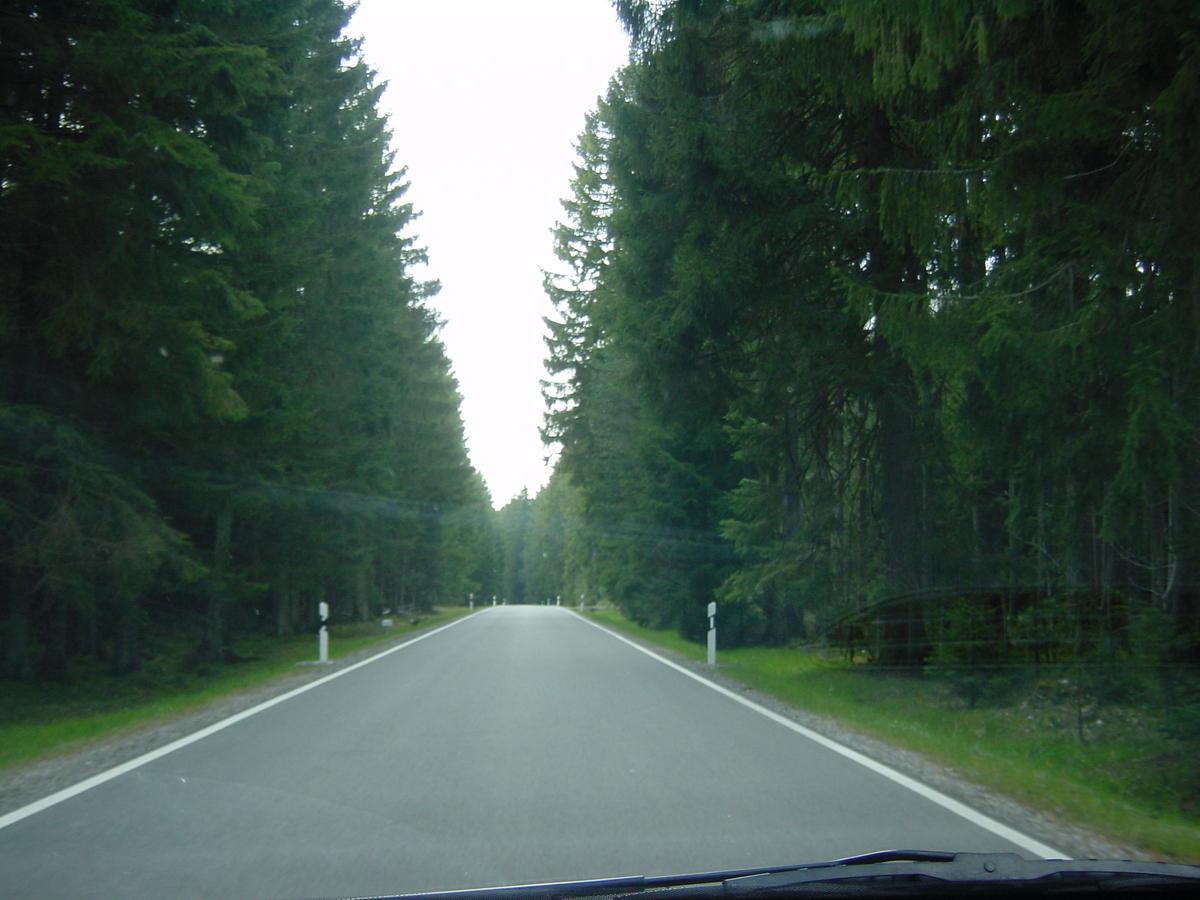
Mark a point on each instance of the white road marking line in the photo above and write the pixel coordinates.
(108, 775)
(1024, 841)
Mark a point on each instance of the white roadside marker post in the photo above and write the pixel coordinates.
(712, 634)
(323, 634)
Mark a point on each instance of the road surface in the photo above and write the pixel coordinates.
(518, 744)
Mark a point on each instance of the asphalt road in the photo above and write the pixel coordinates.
(516, 745)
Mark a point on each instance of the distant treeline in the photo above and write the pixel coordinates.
(866, 300)
(222, 397)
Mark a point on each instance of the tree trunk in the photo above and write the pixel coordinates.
(362, 605)
(214, 641)
(54, 657)
(126, 656)
(904, 638)
(283, 602)
(18, 658)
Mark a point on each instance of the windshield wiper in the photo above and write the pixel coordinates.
(904, 873)
(888, 873)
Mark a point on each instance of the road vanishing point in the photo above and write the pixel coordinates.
(518, 744)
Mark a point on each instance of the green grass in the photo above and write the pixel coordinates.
(1122, 781)
(37, 721)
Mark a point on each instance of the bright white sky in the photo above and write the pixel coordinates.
(486, 99)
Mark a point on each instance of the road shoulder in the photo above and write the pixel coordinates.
(1078, 841)
(30, 782)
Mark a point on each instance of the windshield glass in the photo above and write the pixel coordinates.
(511, 443)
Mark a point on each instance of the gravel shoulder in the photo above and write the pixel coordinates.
(24, 784)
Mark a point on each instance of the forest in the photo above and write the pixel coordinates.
(223, 397)
(878, 322)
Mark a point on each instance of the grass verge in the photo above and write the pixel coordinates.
(40, 720)
(1121, 781)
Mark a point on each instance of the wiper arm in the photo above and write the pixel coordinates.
(914, 873)
(613, 887)
(884, 874)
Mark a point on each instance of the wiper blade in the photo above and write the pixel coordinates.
(913, 873)
(601, 887)
(595, 887)
(884, 874)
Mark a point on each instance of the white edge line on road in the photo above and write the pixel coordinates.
(971, 815)
(109, 774)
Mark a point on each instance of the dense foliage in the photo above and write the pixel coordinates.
(890, 306)
(222, 397)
